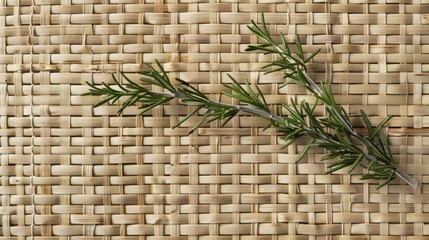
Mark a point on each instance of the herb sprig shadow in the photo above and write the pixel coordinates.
(334, 132)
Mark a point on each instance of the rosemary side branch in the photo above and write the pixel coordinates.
(335, 132)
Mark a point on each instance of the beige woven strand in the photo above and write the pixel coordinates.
(32, 164)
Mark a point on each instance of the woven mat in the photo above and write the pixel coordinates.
(69, 171)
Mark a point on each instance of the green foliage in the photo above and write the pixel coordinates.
(133, 93)
(346, 148)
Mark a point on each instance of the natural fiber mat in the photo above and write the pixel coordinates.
(69, 171)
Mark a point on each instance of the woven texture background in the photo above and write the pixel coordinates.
(69, 171)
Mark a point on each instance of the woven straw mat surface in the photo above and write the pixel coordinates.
(69, 171)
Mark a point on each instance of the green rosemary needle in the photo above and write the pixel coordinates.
(334, 133)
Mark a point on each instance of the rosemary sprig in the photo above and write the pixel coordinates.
(335, 132)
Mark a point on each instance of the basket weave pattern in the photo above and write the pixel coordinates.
(69, 171)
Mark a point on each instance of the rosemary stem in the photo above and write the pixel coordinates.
(399, 172)
(267, 115)
(313, 85)
(254, 111)
(407, 178)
